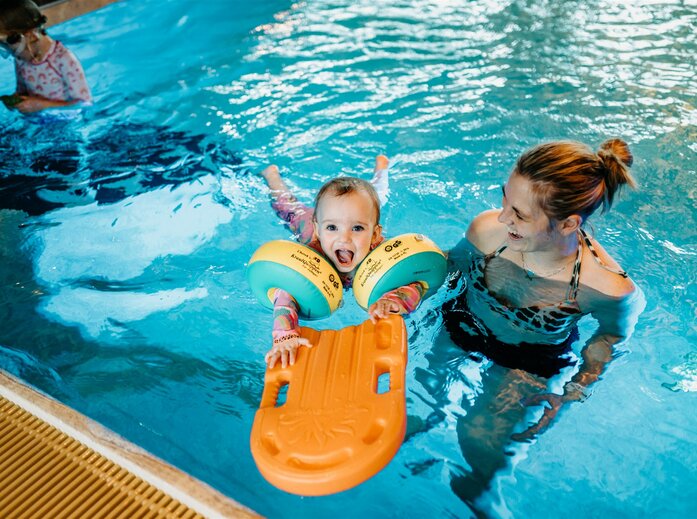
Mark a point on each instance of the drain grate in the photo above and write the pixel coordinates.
(46, 473)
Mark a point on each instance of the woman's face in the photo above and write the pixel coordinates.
(529, 228)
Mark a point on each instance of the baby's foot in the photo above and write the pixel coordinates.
(381, 162)
(271, 173)
(380, 178)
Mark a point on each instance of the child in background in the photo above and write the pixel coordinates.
(344, 226)
(48, 74)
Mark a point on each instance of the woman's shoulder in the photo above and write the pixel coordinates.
(485, 232)
(602, 273)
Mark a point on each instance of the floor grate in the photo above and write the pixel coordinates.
(46, 473)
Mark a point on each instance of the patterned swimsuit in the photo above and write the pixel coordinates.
(58, 77)
(299, 219)
(555, 319)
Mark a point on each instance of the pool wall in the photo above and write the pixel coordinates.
(62, 10)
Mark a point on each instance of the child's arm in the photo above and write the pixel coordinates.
(74, 78)
(286, 331)
(402, 300)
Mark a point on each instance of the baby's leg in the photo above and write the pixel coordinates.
(380, 178)
(275, 183)
(296, 214)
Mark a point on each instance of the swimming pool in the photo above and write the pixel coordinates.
(124, 236)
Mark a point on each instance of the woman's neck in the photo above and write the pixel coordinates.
(560, 253)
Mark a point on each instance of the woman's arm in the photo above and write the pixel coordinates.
(617, 318)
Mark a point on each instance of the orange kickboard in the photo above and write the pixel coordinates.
(337, 426)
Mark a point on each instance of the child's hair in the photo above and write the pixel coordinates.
(569, 178)
(341, 186)
(20, 16)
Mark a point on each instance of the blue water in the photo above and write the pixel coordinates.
(124, 235)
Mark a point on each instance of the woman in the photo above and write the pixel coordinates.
(527, 273)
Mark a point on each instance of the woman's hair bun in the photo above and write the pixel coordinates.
(619, 149)
(616, 160)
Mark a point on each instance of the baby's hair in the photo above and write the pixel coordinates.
(341, 186)
(20, 16)
(569, 178)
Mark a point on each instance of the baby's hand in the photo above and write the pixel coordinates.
(382, 308)
(284, 348)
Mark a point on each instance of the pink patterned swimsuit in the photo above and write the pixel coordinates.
(298, 218)
(59, 77)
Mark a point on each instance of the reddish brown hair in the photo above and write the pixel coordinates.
(569, 178)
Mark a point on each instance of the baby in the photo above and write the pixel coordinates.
(344, 226)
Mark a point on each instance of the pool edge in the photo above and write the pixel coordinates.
(63, 10)
(189, 491)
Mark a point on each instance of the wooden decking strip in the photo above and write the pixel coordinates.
(63, 10)
(56, 463)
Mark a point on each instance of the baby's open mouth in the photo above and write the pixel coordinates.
(514, 235)
(344, 256)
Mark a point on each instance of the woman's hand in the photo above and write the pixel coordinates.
(382, 309)
(572, 393)
(285, 348)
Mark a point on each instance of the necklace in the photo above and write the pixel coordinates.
(531, 274)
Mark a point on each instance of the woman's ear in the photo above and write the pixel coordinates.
(570, 224)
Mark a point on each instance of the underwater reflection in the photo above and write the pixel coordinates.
(69, 164)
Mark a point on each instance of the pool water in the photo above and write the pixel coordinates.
(124, 234)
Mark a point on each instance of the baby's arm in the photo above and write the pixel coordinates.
(286, 331)
(402, 300)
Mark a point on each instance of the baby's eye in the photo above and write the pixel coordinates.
(358, 228)
(331, 227)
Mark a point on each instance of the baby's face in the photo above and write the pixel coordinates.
(346, 228)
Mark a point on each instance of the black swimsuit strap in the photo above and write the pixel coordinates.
(575, 275)
(587, 239)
